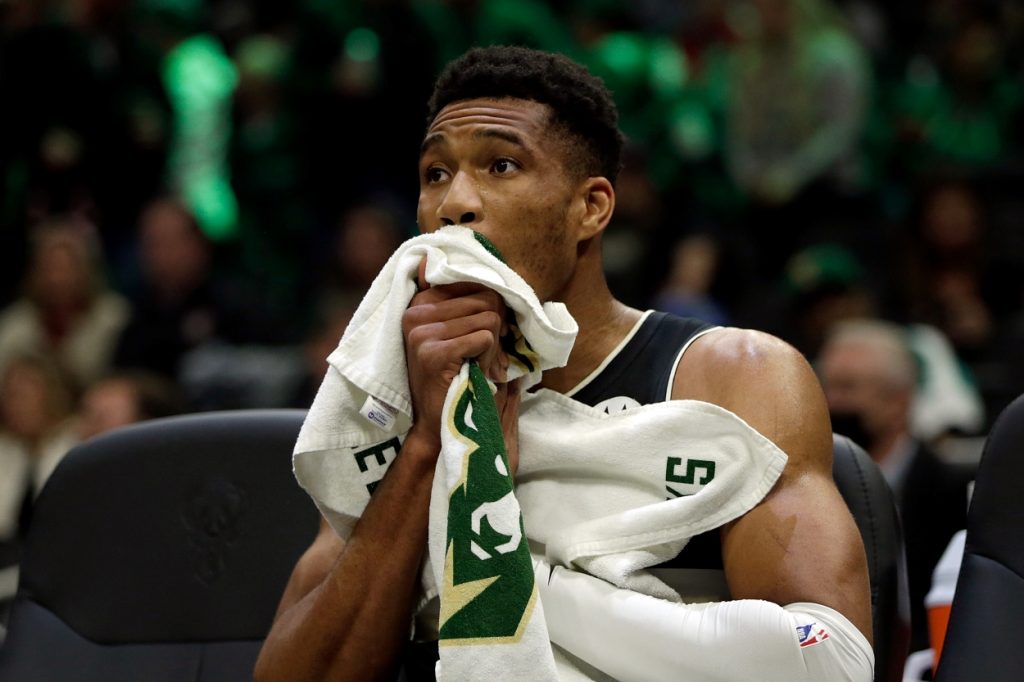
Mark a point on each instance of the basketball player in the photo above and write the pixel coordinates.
(524, 147)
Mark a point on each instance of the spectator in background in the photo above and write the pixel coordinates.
(38, 427)
(180, 305)
(688, 290)
(84, 103)
(636, 244)
(36, 431)
(951, 276)
(957, 108)
(66, 309)
(795, 117)
(361, 244)
(332, 316)
(869, 377)
(364, 241)
(124, 398)
(821, 285)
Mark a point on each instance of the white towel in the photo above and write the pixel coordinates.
(608, 494)
(364, 403)
(612, 494)
(492, 624)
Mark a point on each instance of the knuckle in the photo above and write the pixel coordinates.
(490, 299)
(491, 319)
(417, 315)
(410, 318)
(418, 336)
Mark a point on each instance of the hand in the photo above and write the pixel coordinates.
(443, 327)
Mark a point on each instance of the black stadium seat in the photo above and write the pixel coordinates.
(869, 498)
(160, 551)
(984, 638)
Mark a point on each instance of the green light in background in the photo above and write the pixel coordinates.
(669, 71)
(213, 202)
(262, 56)
(362, 45)
(198, 74)
(692, 130)
(200, 80)
(624, 54)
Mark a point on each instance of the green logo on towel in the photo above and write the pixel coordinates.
(691, 479)
(488, 592)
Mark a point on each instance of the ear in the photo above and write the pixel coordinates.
(598, 201)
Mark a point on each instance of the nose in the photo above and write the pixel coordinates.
(461, 204)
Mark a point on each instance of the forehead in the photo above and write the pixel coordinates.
(525, 117)
(860, 360)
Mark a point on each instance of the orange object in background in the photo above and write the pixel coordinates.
(938, 621)
(939, 599)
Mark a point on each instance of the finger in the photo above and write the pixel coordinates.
(456, 289)
(509, 413)
(515, 396)
(471, 345)
(436, 356)
(421, 275)
(451, 292)
(462, 325)
(429, 306)
(500, 364)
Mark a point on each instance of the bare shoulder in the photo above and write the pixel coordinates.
(766, 382)
(765, 552)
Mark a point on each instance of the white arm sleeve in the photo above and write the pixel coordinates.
(632, 636)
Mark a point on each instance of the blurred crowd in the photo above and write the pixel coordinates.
(196, 193)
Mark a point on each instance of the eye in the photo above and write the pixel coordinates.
(434, 175)
(504, 166)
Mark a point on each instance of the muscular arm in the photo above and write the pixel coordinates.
(347, 609)
(787, 568)
(800, 544)
(346, 616)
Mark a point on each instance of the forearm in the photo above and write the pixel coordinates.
(353, 625)
(632, 636)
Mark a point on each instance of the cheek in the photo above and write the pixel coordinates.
(545, 255)
(426, 208)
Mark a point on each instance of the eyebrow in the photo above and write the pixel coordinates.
(430, 141)
(434, 139)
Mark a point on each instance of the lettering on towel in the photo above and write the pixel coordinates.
(380, 460)
(698, 473)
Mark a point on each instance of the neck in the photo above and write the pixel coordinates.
(603, 322)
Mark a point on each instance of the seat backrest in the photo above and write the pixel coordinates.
(160, 552)
(984, 639)
(871, 502)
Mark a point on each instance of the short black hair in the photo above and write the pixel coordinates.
(581, 104)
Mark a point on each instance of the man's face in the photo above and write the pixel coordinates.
(849, 376)
(106, 406)
(853, 376)
(495, 166)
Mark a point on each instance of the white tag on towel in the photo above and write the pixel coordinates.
(378, 412)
